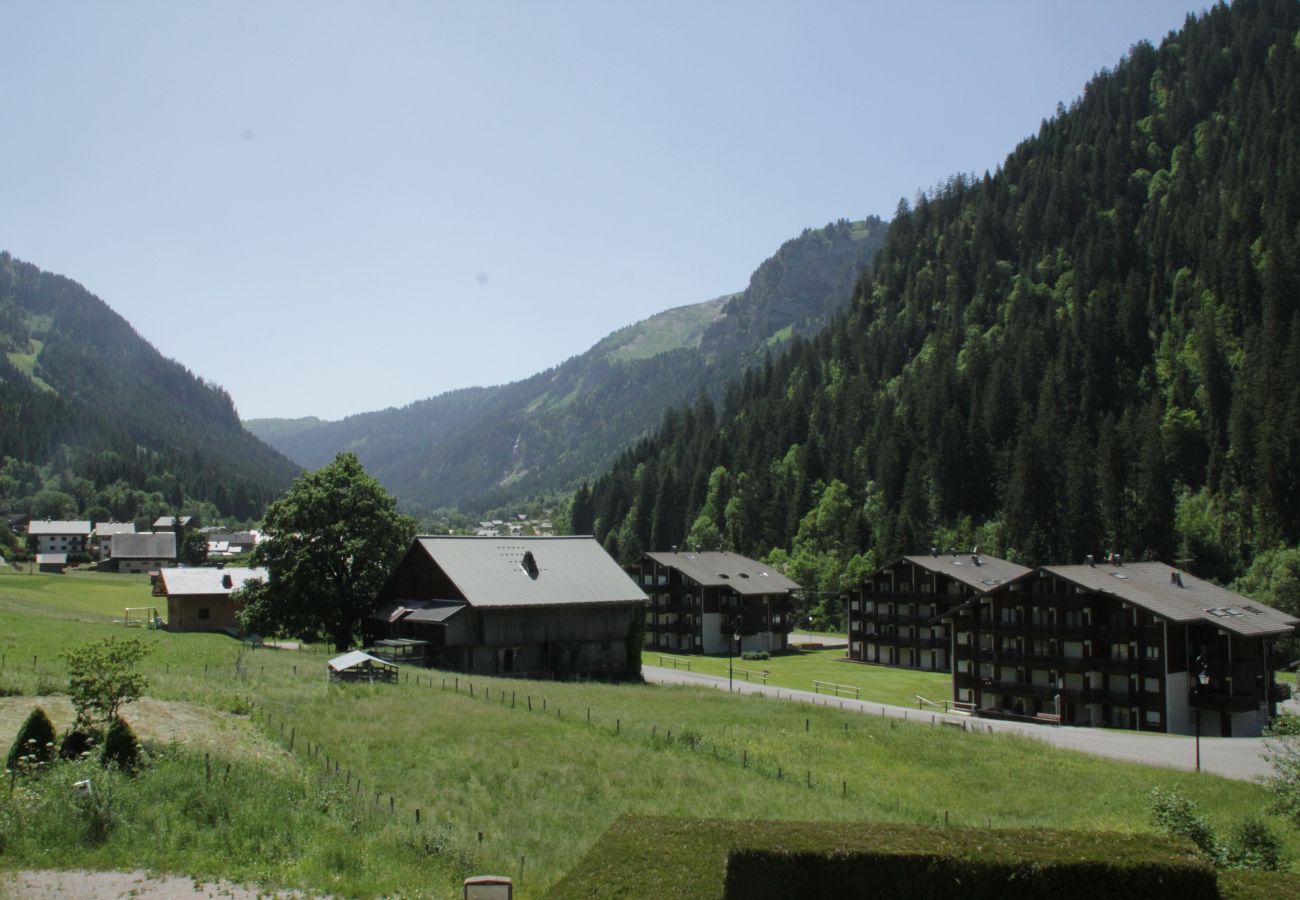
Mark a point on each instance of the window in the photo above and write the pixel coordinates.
(1151, 685)
(1151, 651)
(204, 612)
(1153, 716)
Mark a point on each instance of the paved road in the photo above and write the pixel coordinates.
(1239, 758)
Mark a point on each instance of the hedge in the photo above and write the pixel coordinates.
(694, 859)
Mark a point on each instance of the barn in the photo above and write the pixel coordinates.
(521, 606)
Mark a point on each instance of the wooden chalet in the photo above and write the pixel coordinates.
(102, 539)
(531, 606)
(199, 599)
(891, 614)
(1139, 645)
(144, 552)
(699, 600)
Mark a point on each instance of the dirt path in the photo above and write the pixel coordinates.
(137, 885)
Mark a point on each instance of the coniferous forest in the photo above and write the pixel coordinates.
(1095, 348)
(97, 424)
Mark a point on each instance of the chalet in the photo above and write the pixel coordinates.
(171, 523)
(229, 543)
(59, 537)
(891, 613)
(554, 606)
(1138, 645)
(103, 536)
(18, 522)
(144, 552)
(699, 600)
(199, 599)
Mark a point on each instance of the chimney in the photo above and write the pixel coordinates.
(1118, 560)
(975, 558)
(674, 548)
(227, 582)
(1175, 578)
(1089, 561)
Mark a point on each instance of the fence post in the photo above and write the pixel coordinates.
(207, 767)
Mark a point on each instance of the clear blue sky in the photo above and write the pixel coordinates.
(336, 207)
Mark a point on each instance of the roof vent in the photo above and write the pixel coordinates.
(227, 582)
(934, 551)
(1176, 579)
(529, 564)
(1116, 559)
(674, 548)
(1089, 560)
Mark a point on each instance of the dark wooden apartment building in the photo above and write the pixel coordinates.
(892, 614)
(700, 600)
(1120, 646)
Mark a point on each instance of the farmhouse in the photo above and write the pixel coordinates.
(1138, 645)
(699, 600)
(103, 537)
(199, 599)
(59, 537)
(143, 552)
(552, 606)
(891, 613)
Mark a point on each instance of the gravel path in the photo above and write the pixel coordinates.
(138, 885)
(1239, 758)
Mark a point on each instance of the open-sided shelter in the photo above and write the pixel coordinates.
(543, 606)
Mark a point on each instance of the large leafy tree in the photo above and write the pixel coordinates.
(331, 541)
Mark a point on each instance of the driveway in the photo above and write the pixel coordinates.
(1239, 758)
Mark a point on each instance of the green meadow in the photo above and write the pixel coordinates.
(509, 777)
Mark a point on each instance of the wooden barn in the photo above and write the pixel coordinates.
(199, 599)
(524, 606)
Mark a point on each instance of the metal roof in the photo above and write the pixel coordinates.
(356, 658)
(976, 570)
(104, 529)
(420, 610)
(205, 580)
(1152, 587)
(146, 545)
(51, 559)
(49, 526)
(170, 521)
(720, 568)
(531, 571)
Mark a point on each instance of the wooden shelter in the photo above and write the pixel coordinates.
(357, 665)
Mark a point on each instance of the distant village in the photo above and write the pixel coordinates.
(1104, 643)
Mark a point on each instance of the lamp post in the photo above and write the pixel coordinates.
(1202, 679)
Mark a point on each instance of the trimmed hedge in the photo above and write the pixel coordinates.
(720, 860)
(35, 739)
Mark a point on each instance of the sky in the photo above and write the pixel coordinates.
(329, 208)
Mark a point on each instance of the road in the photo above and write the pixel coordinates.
(1239, 758)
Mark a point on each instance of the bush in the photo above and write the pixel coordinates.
(75, 744)
(35, 740)
(1255, 846)
(121, 748)
(1176, 814)
(755, 655)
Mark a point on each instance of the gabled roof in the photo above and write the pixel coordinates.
(206, 580)
(146, 545)
(975, 570)
(720, 568)
(104, 529)
(531, 571)
(1151, 586)
(355, 658)
(39, 527)
(170, 521)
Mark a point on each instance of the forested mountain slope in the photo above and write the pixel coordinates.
(1095, 348)
(92, 416)
(481, 447)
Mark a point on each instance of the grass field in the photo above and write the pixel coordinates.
(801, 668)
(541, 785)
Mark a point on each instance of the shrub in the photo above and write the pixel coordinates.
(102, 677)
(75, 744)
(1176, 814)
(35, 740)
(1255, 846)
(121, 748)
(755, 655)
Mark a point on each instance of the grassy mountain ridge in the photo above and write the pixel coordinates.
(480, 447)
(80, 385)
(1096, 347)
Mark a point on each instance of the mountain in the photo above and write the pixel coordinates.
(482, 447)
(1096, 347)
(95, 417)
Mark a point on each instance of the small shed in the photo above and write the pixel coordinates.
(54, 563)
(357, 665)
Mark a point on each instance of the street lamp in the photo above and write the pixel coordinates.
(1202, 679)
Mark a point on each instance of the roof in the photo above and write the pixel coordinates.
(46, 526)
(206, 580)
(1152, 586)
(531, 571)
(720, 568)
(356, 658)
(984, 575)
(106, 528)
(436, 611)
(51, 559)
(170, 521)
(146, 545)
